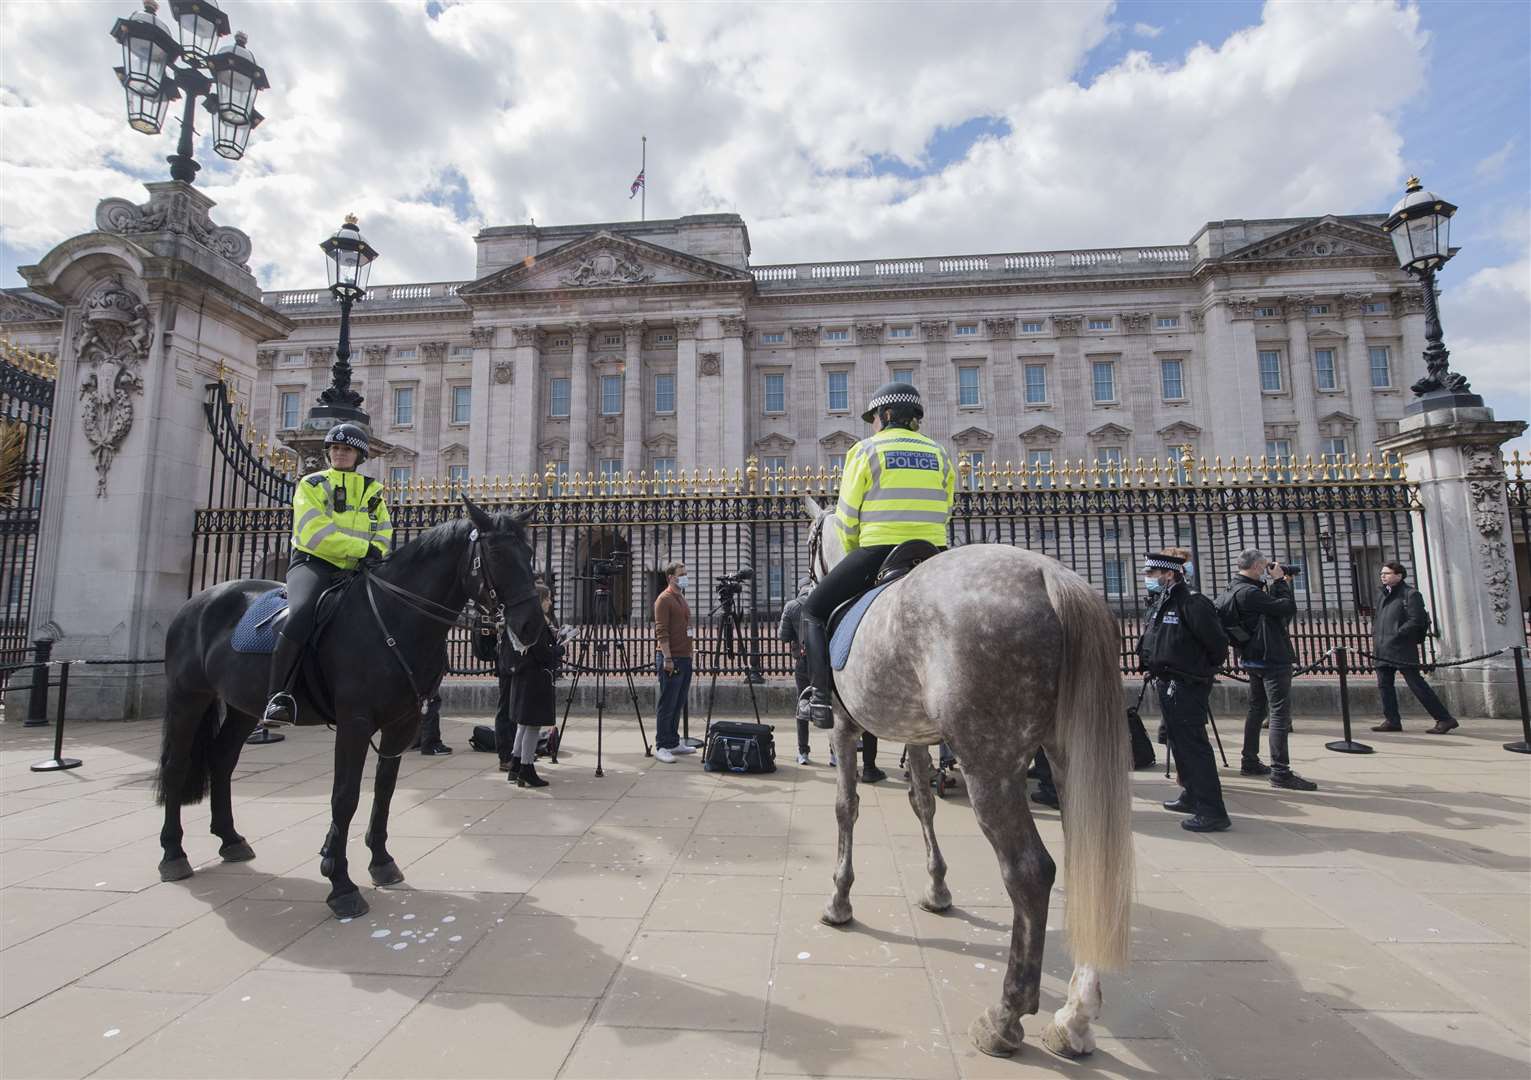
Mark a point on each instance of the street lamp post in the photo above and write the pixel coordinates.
(350, 262)
(226, 81)
(1420, 228)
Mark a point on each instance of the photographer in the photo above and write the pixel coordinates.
(672, 640)
(1255, 616)
(1183, 647)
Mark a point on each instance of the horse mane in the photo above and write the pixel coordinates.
(440, 538)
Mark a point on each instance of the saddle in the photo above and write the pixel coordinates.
(846, 619)
(263, 620)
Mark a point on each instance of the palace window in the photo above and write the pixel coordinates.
(664, 337)
(901, 332)
(611, 468)
(967, 330)
(976, 460)
(905, 375)
(1100, 324)
(1319, 309)
(561, 341)
(837, 335)
(403, 406)
(1036, 384)
(400, 475)
(558, 398)
(1167, 322)
(968, 396)
(1115, 578)
(462, 404)
(775, 392)
(1267, 313)
(405, 354)
(773, 467)
(560, 476)
(664, 393)
(1382, 375)
(664, 470)
(1278, 454)
(839, 391)
(292, 359)
(462, 352)
(1374, 307)
(1102, 381)
(1323, 369)
(1040, 462)
(289, 409)
(773, 337)
(1108, 456)
(1270, 371)
(457, 477)
(836, 463)
(611, 339)
(611, 395)
(1172, 379)
(1032, 327)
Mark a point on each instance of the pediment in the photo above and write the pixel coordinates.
(972, 437)
(1111, 431)
(838, 441)
(401, 453)
(554, 448)
(454, 449)
(1327, 237)
(661, 442)
(600, 263)
(1338, 417)
(17, 306)
(1180, 430)
(775, 444)
(1041, 433)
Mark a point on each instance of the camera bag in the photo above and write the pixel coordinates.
(734, 746)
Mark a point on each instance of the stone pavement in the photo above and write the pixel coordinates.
(662, 922)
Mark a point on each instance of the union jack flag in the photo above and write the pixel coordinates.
(637, 184)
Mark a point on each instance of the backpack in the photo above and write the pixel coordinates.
(1233, 619)
(739, 747)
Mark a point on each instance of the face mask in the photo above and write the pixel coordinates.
(682, 581)
(1190, 569)
(1152, 584)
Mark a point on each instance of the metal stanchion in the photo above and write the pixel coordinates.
(37, 704)
(1347, 745)
(58, 761)
(261, 736)
(1524, 745)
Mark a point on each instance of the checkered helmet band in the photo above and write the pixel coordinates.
(1164, 562)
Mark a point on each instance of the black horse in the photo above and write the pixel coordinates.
(374, 678)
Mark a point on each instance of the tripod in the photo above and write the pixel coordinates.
(733, 626)
(606, 617)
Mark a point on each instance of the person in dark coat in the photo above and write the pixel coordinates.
(1256, 616)
(790, 630)
(1399, 628)
(532, 701)
(1183, 647)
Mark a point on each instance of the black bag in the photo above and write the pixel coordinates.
(738, 747)
(483, 739)
(1233, 621)
(1142, 746)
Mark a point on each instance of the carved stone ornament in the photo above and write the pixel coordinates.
(868, 333)
(110, 348)
(267, 357)
(1197, 319)
(1411, 301)
(608, 268)
(1324, 247)
(481, 336)
(14, 309)
(1496, 576)
(805, 336)
(709, 363)
(733, 325)
(1067, 325)
(934, 329)
(1352, 303)
(1296, 306)
(504, 371)
(1000, 327)
(1488, 506)
(433, 352)
(171, 208)
(1243, 307)
(320, 355)
(687, 328)
(1483, 460)
(1135, 322)
(527, 335)
(376, 354)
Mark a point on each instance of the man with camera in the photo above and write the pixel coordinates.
(1183, 647)
(1399, 628)
(672, 639)
(1256, 610)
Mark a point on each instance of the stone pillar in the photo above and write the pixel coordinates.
(807, 395)
(686, 393)
(632, 395)
(579, 400)
(158, 301)
(1005, 397)
(501, 404)
(526, 417)
(1300, 367)
(1140, 392)
(1468, 579)
(482, 338)
(736, 387)
(1072, 401)
(939, 383)
(1358, 372)
(1409, 310)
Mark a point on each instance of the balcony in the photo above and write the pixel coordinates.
(319, 302)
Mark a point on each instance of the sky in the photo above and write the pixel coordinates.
(849, 130)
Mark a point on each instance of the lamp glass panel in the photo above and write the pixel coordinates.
(198, 33)
(145, 114)
(236, 94)
(229, 139)
(1401, 246)
(1422, 237)
(145, 63)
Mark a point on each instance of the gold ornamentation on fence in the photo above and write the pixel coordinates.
(42, 365)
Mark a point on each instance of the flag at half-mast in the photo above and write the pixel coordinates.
(637, 183)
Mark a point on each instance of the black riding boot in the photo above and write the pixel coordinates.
(284, 668)
(816, 645)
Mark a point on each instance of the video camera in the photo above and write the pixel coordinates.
(610, 566)
(731, 585)
(1287, 569)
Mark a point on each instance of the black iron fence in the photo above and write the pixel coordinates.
(27, 383)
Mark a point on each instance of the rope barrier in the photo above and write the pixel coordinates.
(1431, 665)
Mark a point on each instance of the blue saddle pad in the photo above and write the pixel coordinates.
(845, 633)
(256, 632)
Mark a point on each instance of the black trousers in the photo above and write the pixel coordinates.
(430, 721)
(504, 725)
(851, 575)
(307, 577)
(1416, 682)
(801, 677)
(1270, 694)
(1184, 705)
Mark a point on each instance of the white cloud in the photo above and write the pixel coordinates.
(1143, 29)
(1492, 167)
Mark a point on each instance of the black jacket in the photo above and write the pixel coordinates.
(1264, 613)
(532, 701)
(1183, 636)
(791, 630)
(1400, 624)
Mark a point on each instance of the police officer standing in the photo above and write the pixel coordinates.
(1183, 647)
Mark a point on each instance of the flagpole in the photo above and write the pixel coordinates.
(643, 171)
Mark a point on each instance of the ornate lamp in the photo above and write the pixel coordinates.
(350, 260)
(199, 23)
(238, 78)
(147, 47)
(1420, 228)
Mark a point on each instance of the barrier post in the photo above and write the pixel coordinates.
(58, 761)
(1524, 745)
(37, 704)
(1347, 745)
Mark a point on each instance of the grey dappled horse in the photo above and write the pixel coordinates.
(998, 651)
(419, 592)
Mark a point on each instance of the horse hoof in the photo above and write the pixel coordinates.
(987, 1036)
(238, 851)
(938, 903)
(175, 869)
(385, 874)
(1056, 1040)
(835, 915)
(349, 905)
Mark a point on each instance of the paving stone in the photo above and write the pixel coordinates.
(1378, 908)
(25, 913)
(879, 935)
(472, 864)
(544, 953)
(1447, 1044)
(734, 855)
(76, 1030)
(479, 1035)
(1346, 972)
(698, 980)
(663, 1053)
(1494, 979)
(729, 903)
(42, 964)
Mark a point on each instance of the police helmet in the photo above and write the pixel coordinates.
(894, 393)
(348, 434)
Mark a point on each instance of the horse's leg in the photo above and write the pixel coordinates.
(182, 776)
(394, 741)
(937, 896)
(345, 899)
(847, 806)
(222, 760)
(999, 802)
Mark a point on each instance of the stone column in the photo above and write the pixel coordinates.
(1140, 392)
(807, 395)
(479, 414)
(1072, 401)
(526, 416)
(686, 393)
(1358, 372)
(736, 393)
(579, 400)
(1006, 397)
(632, 395)
(1300, 368)
(1409, 310)
(158, 301)
(1468, 578)
(939, 383)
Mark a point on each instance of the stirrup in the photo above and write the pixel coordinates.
(279, 710)
(822, 714)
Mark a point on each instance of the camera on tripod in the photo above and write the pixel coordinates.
(610, 566)
(731, 585)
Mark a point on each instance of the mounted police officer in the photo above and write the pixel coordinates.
(339, 521)
(897, 485)
(1183, 647)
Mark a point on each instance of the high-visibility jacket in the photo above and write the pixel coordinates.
(897, 485)
(339, 516)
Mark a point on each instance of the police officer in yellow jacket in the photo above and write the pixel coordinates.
(339, 520)
(897, 485)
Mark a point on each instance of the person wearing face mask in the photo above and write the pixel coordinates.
(672, 640)
(1182, 648)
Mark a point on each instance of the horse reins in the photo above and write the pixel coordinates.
(816, 557)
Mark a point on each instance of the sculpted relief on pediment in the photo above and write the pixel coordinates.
(607, 267)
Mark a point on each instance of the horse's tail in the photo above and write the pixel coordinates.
(1097, 793)
(183, 765)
